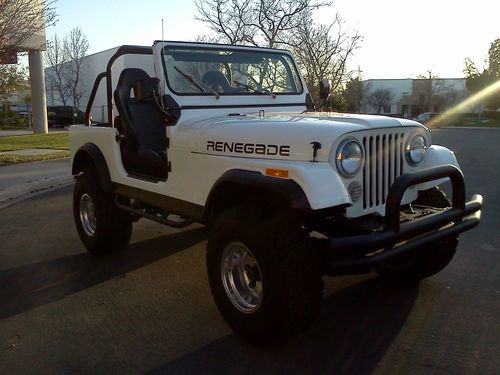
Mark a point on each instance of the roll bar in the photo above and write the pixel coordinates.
(123, 50)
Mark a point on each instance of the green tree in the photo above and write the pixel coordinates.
(352, 94)
(494, 59)
(477, 80)
(12, 78)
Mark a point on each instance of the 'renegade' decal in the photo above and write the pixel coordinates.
(248, 148)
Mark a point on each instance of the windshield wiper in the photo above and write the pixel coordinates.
(198, 85)
(269, 92)
(263, 92)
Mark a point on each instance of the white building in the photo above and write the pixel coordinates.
(92, 66)
(410, 97)
(20, 101)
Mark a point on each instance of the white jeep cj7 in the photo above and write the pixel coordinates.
(227, 136)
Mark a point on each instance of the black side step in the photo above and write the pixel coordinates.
(161, 216)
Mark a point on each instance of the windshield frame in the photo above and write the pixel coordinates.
(248, 49)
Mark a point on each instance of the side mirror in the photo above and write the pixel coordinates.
(324, 89)
(173, 108)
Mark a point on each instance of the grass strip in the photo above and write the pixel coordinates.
(59, 141)
(14, 159)
(473, 125)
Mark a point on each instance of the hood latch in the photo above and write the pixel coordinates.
(316, 146)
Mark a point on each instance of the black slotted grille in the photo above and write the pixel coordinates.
(383, 164)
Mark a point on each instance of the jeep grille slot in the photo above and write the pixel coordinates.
(383, 164)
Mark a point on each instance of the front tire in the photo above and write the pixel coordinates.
(264, 275)
(430, 259)
(102, 226)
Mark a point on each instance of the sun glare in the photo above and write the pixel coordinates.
(465, 104)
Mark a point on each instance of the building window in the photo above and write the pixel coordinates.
(405, 111)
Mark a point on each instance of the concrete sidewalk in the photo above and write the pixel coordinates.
(10, 133)
(18, 181)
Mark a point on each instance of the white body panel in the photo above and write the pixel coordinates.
(194, 173)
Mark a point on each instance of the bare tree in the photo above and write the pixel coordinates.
(228, 19)
(380, 98)
(66, 59)
(76, 46)
(57, 77)
(21, 19)
(322, 51)
(449, 97)
(276, 18)
(435, 88)
(212, 38)
(256, 22)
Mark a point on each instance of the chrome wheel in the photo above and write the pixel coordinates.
(241, 277)
(87, 215)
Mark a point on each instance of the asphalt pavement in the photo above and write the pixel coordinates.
(149, 309)
(18, 181)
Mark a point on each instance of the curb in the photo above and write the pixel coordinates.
(468, 127)
(20, 192)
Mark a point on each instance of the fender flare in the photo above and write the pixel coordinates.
(287, 188)
(89, 153)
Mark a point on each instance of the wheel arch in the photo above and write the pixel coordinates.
(236, 185)
(90, 155)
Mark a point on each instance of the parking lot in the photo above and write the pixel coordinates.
(149, 309)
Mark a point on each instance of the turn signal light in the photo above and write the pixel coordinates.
(282, 173)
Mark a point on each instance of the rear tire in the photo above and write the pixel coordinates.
(102, 227)
(286, 293)
(428, 260)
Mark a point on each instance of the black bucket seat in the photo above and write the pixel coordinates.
(141, 124)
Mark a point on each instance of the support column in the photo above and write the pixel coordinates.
(38, 99)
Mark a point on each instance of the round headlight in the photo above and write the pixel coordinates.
(416, 146)
(349, 158)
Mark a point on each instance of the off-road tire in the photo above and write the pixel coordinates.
(428, 260)
(113, 226)
(290, 270)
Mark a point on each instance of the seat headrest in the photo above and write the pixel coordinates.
(215, 77)
(145, 89)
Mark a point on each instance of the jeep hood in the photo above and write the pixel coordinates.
(275, 135)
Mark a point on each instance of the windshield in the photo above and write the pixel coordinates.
(209, 71)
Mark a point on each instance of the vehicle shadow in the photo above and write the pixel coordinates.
(30, 286)
(354, 330)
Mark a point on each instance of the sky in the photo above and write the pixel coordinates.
(400, 39)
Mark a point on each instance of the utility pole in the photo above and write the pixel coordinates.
(430, 90)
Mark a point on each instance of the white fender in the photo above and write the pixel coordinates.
(437, 155)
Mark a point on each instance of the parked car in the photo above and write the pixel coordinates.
(64, 116)
(426, 117)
